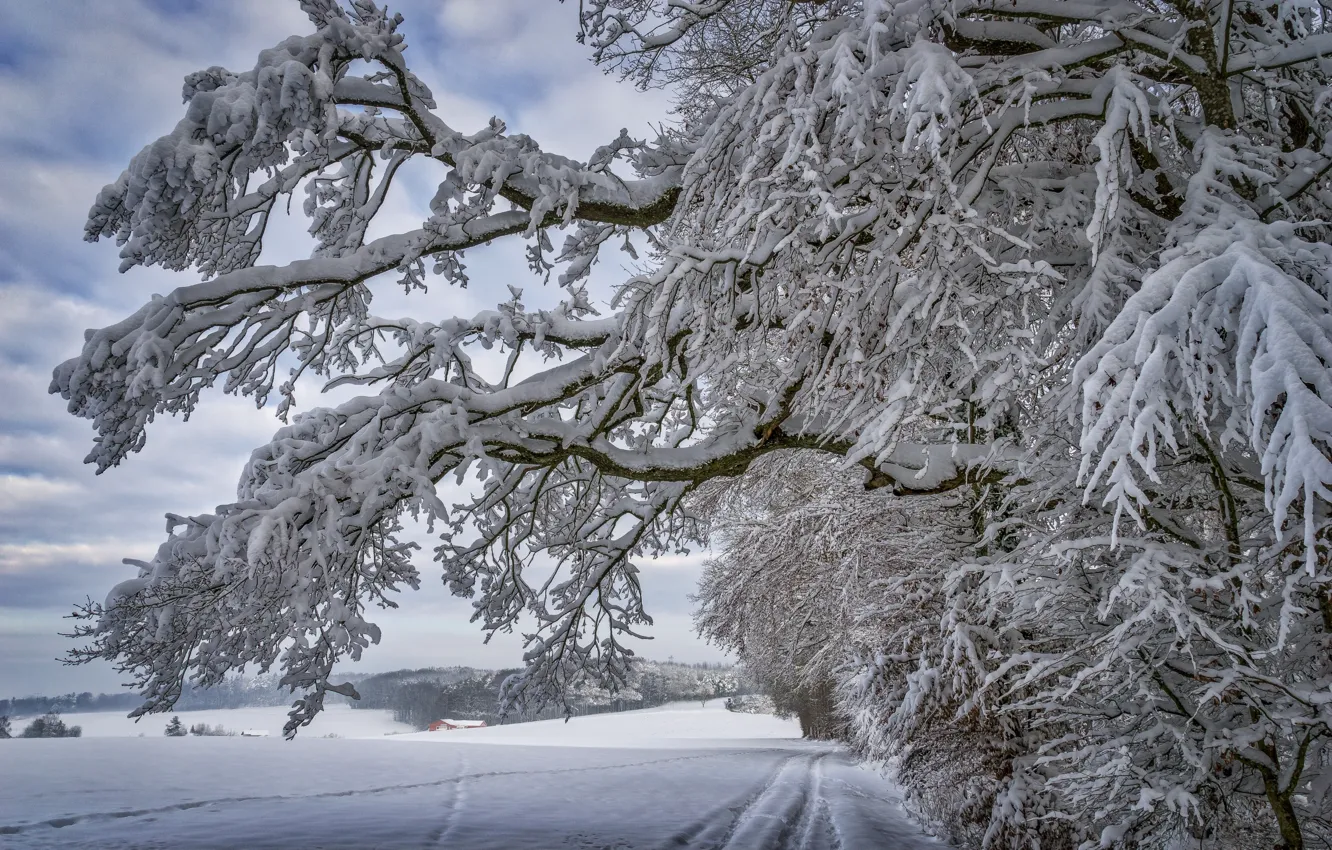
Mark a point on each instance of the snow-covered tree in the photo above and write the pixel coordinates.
(50, 725)
(837, 599)
(1063, 260)
(5, 727)
(175, 729)
(795, 559)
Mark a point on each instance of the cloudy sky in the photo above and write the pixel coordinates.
(83, 86)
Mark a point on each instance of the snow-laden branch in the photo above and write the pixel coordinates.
(1252, 305)
(1034, 263)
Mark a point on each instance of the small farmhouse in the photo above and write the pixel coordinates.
(456, 724)
(254, 733)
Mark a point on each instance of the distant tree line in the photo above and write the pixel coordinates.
(419, 697)
(237, 692)
(71, 702)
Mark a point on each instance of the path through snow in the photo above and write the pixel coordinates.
(630, 782)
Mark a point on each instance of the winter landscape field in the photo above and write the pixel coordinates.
(678, 776)
(958, 371)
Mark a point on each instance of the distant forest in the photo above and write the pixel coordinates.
(240, 692)
(418, 697)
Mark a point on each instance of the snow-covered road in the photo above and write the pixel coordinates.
(545, 786)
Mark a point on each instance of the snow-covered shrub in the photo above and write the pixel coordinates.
(751, 704)
(816, 578)
(51, 726)
(206, 731)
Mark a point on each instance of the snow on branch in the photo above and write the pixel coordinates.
(1240, 343)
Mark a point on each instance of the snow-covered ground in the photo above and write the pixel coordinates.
(676, 777)
(682, 724)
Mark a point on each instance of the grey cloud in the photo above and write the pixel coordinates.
(30, 663)
(58, 587)
(91, 84)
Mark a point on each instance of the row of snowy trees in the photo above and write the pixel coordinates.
(176, 729)
(1052, 276)
(923, 657)
(652, 683)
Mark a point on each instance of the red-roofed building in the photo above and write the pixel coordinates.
(456, 724)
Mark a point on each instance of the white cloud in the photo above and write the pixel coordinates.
(17, 489)
(31, 556)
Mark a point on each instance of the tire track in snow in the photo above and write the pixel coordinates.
(765, 821)
(70, 820)
(789, 812)
(814, 830)
(858, 816)
(697, 834)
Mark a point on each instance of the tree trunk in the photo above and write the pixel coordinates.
(1287, 822)
(806, 723)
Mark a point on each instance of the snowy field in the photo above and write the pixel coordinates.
(675, 777)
